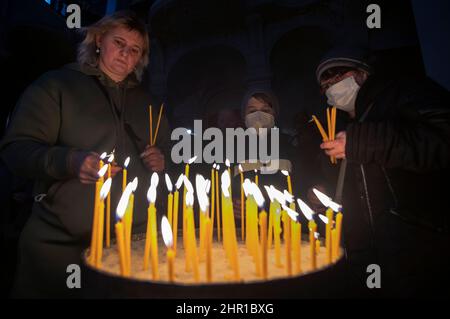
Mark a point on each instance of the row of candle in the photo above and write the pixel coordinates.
(258, 239)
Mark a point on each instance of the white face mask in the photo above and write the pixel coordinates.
(343, 94)
(259, 120)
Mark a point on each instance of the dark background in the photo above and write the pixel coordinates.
(205, 54)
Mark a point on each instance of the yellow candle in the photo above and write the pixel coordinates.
(288, 247)
(217, 204)
(95, 226)
(202, 236)
(186, 173)
(99, 250)
(297, 235)
(121, 248)
(208, 226)
(154, 245)
(338, 231)
(270, 231)
(317, 247)
(256, 177)
(312, 229)
(108, 213)
(277, 233)
(148, 240)
(128, 221)
(328, 241)
(170, 264)
(170, 208)
(334, 247)
(175, 220)
(263, 225)
(242, 204)
(192, 243)
(213, 195)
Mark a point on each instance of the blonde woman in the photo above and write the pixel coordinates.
(62, 122)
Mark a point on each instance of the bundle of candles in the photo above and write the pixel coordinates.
(331, 126)
(269, 246)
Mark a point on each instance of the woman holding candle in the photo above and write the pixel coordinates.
(62, 122)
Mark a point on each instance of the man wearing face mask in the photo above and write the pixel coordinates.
(397, 155)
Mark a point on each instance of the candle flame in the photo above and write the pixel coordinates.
(256, 171)
(103, 156)
(308, 212)
(179, 181)
(111, 158)
(323, 218)
(151, 194)
(279, 196)
(134, 184)
(214, 166)
(192, 160)
(105, 189)
(316, 235)
(188, 184)
(257, 195)
(285, 172)
(247, 187)
(102, 171)
(202, 196)
(226, 182)
(166, 232)
(168, 183)
(190, 198)
(326, 201)
(292, 213)
(154, 180)
(240, 168)
(218, 167)
(227, 162)
(288, 196)
(127, 162)
(123, 202)
(208, 186)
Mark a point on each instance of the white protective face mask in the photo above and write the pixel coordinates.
(343, 94)
(259, 120)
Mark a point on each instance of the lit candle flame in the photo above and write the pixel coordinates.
(179, 181)
(214, 166)
(168, 183)
(154, 180)
(308, 212)
(134, 184)
(102, 171)
(127, 162)
(111, 158)
(151, 194)
(240, 168)
(166, 232)
(292, 213)
(202, 196)
(208, 186)
(326, 201)
(192, 160)
(188, 184)
(285, 172)
(123, 202)
(226, 182)
(247, 187)
(316, 235)
(288, 196)
(218, 167)
(103, 156)
(190, 198)
(323, 218)
(227, 162)
(257, 195)
(105, 189)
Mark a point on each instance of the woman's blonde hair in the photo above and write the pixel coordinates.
(87, 50)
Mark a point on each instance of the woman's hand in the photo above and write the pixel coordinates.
(85, 166)
(153, 159)
(337, 147)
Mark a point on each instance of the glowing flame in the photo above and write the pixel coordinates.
(256, 171)
(316, 235)
(151, 194)
(168, 183)
(202, 196)
(123, 202)
(134, 184)
(285, 173)
(292, 213)
(323, 218)
(105, 189)
(188, 184)
(189, 198)
(326, 201)
(227, 162)
(166, 232)
(240, 168)
(226, 182)
(308, 212)
(127, 162)
(278, 195)
(208, 186)
(154, 180)
(192, 160)
(179, 181)
(103, 156)
(214, 166)
(257, 195)
(111, 158)
(102, 171)
(247, 187)
(218, 167)
(288, 196)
